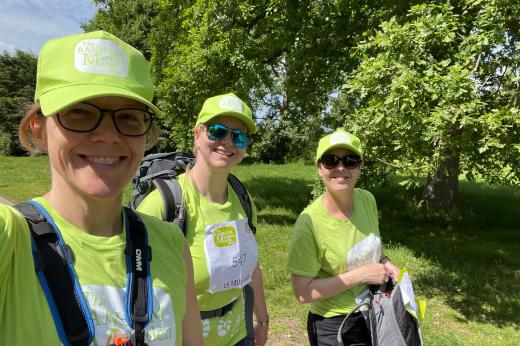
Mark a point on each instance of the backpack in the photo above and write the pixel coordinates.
(159, 171)
(389, 319)
(54, 266)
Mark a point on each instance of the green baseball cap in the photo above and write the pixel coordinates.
(229, 105)
(75, 68)
(339, 139)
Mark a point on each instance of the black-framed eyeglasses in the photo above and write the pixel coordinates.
(86, 117)
(217, 132)
(330, 161)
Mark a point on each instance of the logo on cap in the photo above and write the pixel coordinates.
(339, 137)
(231, 103)
(101, 57)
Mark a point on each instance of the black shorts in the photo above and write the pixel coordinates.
(322, 331)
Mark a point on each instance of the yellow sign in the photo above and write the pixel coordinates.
(224, 236)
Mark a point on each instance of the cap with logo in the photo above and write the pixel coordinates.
(75, 68)
(339, 139)
(229, 105)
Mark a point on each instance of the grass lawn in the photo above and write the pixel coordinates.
(467, 268)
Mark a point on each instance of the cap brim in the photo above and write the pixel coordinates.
(55, 100)
(250, 124)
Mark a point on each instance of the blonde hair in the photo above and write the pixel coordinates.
(25, 133)
(33, 145)
(152, 136)
(195, 149)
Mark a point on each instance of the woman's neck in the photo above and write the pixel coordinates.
(339, 204)
(210, 183)
(100, 217)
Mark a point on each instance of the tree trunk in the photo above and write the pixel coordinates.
(442, 186)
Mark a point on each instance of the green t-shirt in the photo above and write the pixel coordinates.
(324, 246)
(25, 317)
(230, 328)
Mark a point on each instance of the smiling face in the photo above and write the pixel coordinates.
(99, 163)
(339, 178)
(220, 154)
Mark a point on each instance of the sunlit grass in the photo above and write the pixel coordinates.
(22, 178)
(466, 266)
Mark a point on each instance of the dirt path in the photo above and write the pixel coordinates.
(5, 201)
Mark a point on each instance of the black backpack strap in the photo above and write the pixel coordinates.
(160, 171)
(204, 315)
(139, 299)
(174, 208)
(244, 199)
(248, 310)
(53, 262)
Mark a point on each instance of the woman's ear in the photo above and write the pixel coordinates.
(39, 133)
(197, 132)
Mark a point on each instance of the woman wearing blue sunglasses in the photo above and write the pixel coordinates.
(224, 250)
(336, 249)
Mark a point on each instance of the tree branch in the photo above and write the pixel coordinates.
(477, 64)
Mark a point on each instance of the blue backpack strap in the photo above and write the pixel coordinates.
(53, 263)
(139, 292)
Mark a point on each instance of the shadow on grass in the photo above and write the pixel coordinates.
(279, 192)
(476, 253)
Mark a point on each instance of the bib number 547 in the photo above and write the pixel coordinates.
(239, 260)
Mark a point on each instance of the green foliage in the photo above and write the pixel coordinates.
(438, 86)
(17, 82)
(318, 188)
(130, 20)
(278, 143)
(5, 143)
(285, 58)
(433, 92)
(282, 57)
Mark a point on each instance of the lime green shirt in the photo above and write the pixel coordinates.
(25, 317)
(230, 328)
(324, 246)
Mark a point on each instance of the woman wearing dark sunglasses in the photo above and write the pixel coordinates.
(336, 249)
(224, 251)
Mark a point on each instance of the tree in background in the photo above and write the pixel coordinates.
(438, 95)
(433, 92)
(130, 20)
(284, 57)
(17, 78)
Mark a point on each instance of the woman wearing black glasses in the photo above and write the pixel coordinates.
(77, 269)
(224, 250)
(336, 250)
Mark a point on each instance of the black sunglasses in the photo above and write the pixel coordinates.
(330, 161)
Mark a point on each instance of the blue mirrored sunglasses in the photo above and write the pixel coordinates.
(217, 132)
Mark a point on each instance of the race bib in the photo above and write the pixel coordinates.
(366, 251)
(231, 255)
